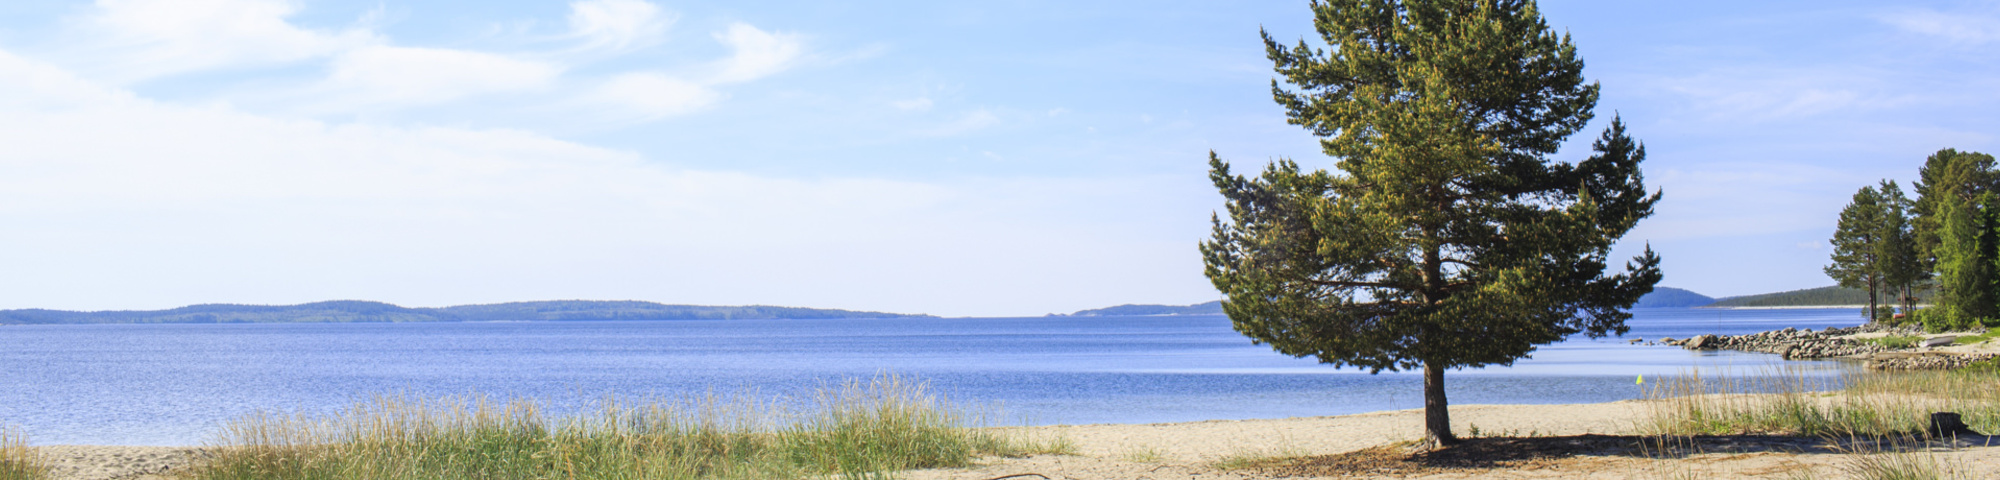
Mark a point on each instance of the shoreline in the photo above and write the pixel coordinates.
(1201, 449)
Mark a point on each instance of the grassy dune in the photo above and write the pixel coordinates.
(855, 431)
(1872, 404)
(16, 461)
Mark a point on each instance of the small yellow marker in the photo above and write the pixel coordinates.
(1641, 381)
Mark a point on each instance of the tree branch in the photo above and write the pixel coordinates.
(1332, 283)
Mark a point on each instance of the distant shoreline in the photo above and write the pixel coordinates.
(1786, 307)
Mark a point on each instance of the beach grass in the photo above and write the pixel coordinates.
(858, 430)
(1791, 402)
(1900, 462)
(17, 461)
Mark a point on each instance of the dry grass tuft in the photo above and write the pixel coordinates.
(17, 461)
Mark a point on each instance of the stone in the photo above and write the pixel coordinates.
(1949, 424)
(1702, 342)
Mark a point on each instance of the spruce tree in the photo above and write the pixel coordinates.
(1947, 172)
(1446, 238)
(1964, 261)
(1857, 246)
(1954, 235)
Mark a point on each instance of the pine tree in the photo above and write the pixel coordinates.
(1857, 246)
(1446, 239)
(1897, 251)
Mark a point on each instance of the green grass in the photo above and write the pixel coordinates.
(855, 431)
(17, 462)
(1870, 404)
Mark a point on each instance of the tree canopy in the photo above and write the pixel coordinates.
(1446, 237)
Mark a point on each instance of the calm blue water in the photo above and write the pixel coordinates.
(174, 384)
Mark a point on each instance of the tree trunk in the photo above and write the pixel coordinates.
(1437, 418)
(1871, 299)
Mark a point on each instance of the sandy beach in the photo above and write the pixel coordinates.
(1520, 441)
(1514, 441)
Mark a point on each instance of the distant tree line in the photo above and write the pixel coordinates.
(1946, 239)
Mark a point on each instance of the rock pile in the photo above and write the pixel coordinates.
(1791, 343)
(1926, 360)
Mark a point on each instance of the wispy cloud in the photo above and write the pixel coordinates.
(1763, 94)
(405, 76)
(366, 72)
(1966, 28)
(650, 96)
(618, 25)
(135, 40)
(757, 53)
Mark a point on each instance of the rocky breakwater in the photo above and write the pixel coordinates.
(1790, 343)
(1926, 360)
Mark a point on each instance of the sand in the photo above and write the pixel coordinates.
(91, 462)
(1520, 437)
(1192, 450)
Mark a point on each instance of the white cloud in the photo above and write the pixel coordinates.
(650, 96)
(131, 40)
(401, 76)
(1963, 28)
(758, 54)
(914, 104)
(618, 24)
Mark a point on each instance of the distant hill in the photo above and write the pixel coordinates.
(1670, 297)
(343, 311)
(1822, 296)
(1210, 308)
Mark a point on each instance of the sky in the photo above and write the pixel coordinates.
(951, 158)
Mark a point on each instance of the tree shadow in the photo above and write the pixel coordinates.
(1536, 453)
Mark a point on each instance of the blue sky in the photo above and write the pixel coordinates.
(1002, 158)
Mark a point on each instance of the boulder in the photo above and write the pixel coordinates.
(1948, 424)
(1702, 342)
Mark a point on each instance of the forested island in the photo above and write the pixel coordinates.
(1209, 308)
(1662, 297)
(346, 311)
(1828, 296)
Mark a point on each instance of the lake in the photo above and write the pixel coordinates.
(175, 384)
